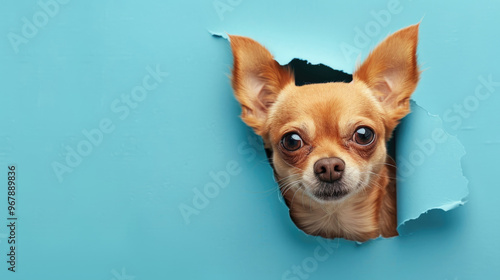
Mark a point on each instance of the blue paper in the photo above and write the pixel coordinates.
(424, 182)
(168, 183)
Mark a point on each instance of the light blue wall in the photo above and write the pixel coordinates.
(115, 212)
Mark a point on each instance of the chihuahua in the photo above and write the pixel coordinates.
(328, 141)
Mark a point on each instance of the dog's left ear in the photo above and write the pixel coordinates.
(257, 80)
(391, 72)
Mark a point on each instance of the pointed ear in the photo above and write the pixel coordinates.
(392, 74)
(257, 80)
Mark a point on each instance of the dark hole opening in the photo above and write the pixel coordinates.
(307, 73)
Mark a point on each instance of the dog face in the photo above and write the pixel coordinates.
(327, 139)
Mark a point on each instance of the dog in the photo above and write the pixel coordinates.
(328, 142)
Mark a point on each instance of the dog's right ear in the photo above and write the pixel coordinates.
(257, 80)
(391, 72)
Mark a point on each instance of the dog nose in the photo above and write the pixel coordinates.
(329, 169)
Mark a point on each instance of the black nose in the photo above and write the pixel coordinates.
(329, 169)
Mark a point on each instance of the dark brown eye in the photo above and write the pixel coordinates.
(364, 136)
(291, 142)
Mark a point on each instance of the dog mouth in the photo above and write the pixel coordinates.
(330, 191)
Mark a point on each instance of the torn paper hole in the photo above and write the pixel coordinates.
(428, 159)
(429, 167)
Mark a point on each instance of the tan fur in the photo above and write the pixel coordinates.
(326, 117)
(362, 217)
(258, 71)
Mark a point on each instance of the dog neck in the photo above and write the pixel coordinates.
(368, 214)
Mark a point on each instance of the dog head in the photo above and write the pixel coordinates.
(328, 139)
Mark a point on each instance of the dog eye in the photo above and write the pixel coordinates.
(364, 136)
(291, 142)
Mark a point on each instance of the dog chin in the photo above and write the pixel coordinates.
(325, 192)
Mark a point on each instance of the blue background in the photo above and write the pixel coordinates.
(117, 214)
